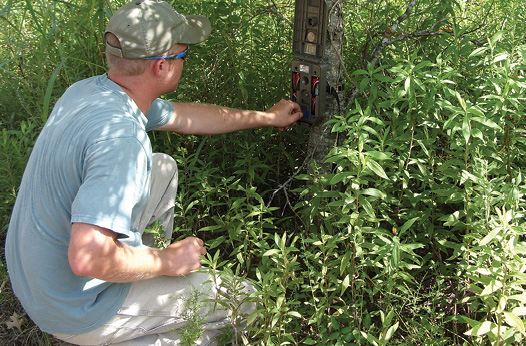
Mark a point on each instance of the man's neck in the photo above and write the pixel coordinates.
(136, 89)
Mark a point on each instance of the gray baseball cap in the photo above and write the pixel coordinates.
(147, 28)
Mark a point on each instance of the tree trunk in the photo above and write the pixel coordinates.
(321, 140)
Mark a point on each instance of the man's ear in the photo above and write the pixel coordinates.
(158, 67)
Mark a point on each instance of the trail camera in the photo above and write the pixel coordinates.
(310, 29)
(308, 87)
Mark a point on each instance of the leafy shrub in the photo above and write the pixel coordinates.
(415, 236)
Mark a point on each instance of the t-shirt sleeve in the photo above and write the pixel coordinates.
(158, 114)
(114, 177)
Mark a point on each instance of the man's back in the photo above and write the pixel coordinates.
(90, 164)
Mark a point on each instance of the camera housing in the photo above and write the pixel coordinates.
(308, 73)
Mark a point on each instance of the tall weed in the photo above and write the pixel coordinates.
(416, 236)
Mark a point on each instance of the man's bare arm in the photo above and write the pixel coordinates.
(194, 118)
(96, 252)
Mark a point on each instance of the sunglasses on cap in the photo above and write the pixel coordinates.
(181, 55)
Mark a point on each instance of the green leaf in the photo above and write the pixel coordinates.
(379, 155)
(216, 242)
(486, 122)
(376, 168)
(294, 313)
(367, 207)
(461, 101)
(271, 252)
(514, 321)
(363, 84)
(345, 284)
(210, 228)
(374, 192)
(395, 255)
(519, 311)
(500, 57)
(407, 84)
(390, 332)
(493, 286)
(253, 317)
(309, 341)
(424, 63)
(382, 78)
(371, 338)
(303, 177)
(491, 235)
(466, 129)
(497, 37)
(344, 264)
(406, 225)
(467, 320)
(478, 52)
(49, 89)
(339, 177)
(483, 328)
(360, 72)
(275, 319)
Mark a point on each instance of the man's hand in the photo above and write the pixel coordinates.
(285, 113)
(183, 257)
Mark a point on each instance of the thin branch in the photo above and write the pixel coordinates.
(284, 186)
(389, 38)
(422, 33)
(392, 29)
(273, 8)
(342, 63)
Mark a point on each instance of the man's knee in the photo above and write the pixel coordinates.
(164, 165)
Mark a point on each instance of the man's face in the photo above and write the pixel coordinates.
(175, 67)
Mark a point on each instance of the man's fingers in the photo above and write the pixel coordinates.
(201, 244)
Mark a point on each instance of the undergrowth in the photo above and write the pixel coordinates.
(415, 237)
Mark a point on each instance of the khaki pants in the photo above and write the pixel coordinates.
(157, 310)
(160, 206)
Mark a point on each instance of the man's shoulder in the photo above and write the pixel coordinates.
(96, 99)
(91, 85)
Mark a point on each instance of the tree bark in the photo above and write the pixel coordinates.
(321, 140)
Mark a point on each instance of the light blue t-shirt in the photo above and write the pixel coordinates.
(91, 163)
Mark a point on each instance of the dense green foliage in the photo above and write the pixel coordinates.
(415, 237)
